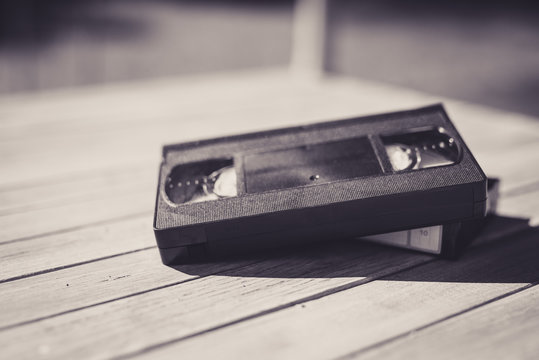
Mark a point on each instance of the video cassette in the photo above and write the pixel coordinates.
(292, 186)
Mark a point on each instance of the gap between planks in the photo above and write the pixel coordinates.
(46, 271)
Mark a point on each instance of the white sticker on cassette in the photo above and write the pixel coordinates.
(428, 238)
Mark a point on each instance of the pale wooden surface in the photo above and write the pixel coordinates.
(80, 276)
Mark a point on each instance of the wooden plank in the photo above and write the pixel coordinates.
(60, 250)
(492, 129)
(512, 165)
(524, 205)
(21, 226)
(47, 193)
(35, 298)
(505, 329)
(344, 322)
(130, 265)
(190, 307)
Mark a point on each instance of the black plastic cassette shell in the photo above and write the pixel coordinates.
(389, 202)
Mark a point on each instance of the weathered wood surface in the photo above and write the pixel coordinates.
(512, 321)
(366, 315)
(80, 275)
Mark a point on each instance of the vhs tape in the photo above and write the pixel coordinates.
(292, 186)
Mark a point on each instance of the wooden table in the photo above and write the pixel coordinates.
(80, 276)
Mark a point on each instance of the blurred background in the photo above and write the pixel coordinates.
(486, 52)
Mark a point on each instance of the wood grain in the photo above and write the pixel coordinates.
(36, 298)
(32, 223)
(194, 306)
(76, 199)
(524, 205)
(78, 246)
(362, 316)
(505, 329)
(512, 165)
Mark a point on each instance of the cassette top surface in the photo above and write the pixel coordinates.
(406, 151)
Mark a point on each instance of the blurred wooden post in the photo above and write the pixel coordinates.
(308, 57)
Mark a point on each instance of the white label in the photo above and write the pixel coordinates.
(427, 239)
